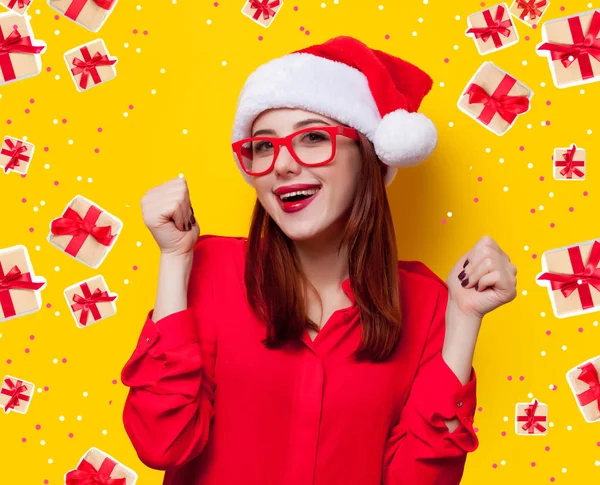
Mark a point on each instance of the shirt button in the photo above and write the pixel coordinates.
(459, 404)
(147, 339)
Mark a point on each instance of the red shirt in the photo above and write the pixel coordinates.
(211, 405)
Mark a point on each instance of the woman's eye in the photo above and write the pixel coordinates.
(314, 136)
(262, 145)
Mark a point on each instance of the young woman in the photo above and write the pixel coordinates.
(307, 353)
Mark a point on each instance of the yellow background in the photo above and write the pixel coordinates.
(198, 93)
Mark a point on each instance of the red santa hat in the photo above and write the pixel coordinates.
(372, 91)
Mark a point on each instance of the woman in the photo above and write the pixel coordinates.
(307, 353)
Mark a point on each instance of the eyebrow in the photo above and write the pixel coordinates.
(300, 124)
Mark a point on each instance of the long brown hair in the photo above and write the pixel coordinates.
(275, 282)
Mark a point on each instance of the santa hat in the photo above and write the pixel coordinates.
(372, 91)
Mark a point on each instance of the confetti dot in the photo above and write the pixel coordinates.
(50, 460)
(61, 418)
(85, 394)
(126, 282)
(57, 268)
(78, 418)
(104, 431)
(543, 353)
(564, 347)
(42, 442)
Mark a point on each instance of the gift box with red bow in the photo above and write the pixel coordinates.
(96, 466)
(17, 6)
(90, 14)
(15, 394)
(572, 276)
(15, 155)
(569, 163)
(492, 29)
(263, 12)
(85, 231)
(19, 287)
(531, 418)
(583, 381)
(529, 12)
(90, 301)
(494, 98)
(20, 52)
(572, 45)
(90, 65)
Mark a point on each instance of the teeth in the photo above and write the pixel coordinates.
(305, 192)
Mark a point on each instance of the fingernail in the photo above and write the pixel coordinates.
(461, 275)
(186, 227)
(477, 286)
(465, 282)
(193, 219)
(192, 209)
(466, 262)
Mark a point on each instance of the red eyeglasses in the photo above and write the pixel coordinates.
(311, 147)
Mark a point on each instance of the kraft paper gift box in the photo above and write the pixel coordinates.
(492, 29)
(85, 231)
(569, 163)
(530, 12)
(90, 301)
(572, 277)
(90, 65)
(263, 12)
(15, 394)
(19, 287)
(494, 98)
(571, 61)
(583, 381)
(90, 14)
(20, 52)
(531, 418)
(17, 6)
(15, 155)
(96, 466)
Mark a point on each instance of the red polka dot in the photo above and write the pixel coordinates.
(130, 106)
(585, 193)
(552, 224)
(446, 60)
(526, 37)
(23, 440)
(26, 111)
(64, 120)
(8, 361)
(547, 448)
(64, 361)
(548, 332)
(46, 481)
(476, 199)
(48, 305)
(37, 426)
(494, 465)
(8, 122)
(534, 26)
(551, 479)
(562, 9)
(145, 32)
(96, 150)
(216, 4)
(542, 178)
(23, 200)
(100, 130)
(135, 268)
(509, 378)
(70, 435)
(387, 36)
(521, 148)
(114, 381)
(521, 378)
(503, 433)
(307, 32)
(295, 8)
(548, 102)
(548, 123)
(46, 388)
(532, 211)
(32, 100)
(260, 37)
(135, 31)
(56, 182)
(31, 229)
(479, 409)
(56, 17)
(533, 463)
(580, 329)
(31, 337)
(26, 351)
(571, 209)
(301, 29)
(46, 149)
(48, 69)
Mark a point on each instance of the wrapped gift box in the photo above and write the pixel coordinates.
(90, 14)
(530, 12)
(531, 418)
(85, 231)
(569, 163)
(20, 52)
(263, 12)
(571, 274)
(15, 155)
(17, 6)
(583, 380)
(572, 61)
(19, 287)
(90, 301)
(96, 466)
(15, 394)
(90, 65)
(494, 98)
(492, 29)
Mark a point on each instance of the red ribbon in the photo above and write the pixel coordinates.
(15, 391)
(531, 7)
(582, 48)
(588, 274)
(589, 375)
(76, 7)
(88, 302)
(12, 44)
(570, 164)
(14, 280)
(86, 474)
(88, 66)
(15, 152)
(72, 224)
(532, 422)
(507, 107)
(22, 3)
(265, 7)
(494, 27)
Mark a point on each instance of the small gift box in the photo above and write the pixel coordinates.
(90, 65)
(529, 12)
(531, 418)
(263, 12)
(90, 301)
(495, 98)
(569, 163)
(96, 466)
(492, 29)
(574, 278)
(573, 49)
(583, 380)
(15, 155)
(19, 287)
(85, 231)
(15, 395)
(90, 14)
(19, 52)
(17, 6)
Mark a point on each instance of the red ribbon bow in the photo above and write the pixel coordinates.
(532, 422)
(88, 302)
(582, 47)
(15, 391)
(570, 164)
(265, 7)
(494, 27)
(507, 107)
(589, 275)
(15, 152)
(76, 7)
(531, 8)
(14, 280)
(12, 44)
(86, 474)
(21, 3)
(589, 375)
(88, 66)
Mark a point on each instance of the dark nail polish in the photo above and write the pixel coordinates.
(465, 282)
(461, 275)
(476, 286)
(466, 262)
(192, 209)
(193, 220)
(186, 226)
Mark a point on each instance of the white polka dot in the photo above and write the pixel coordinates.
(57, 314)
(551, 194)
(61, 418)
(380, 7)
(529, 125)
(323, 5)
(85, 394)
(55, 361)
(139, 7)
(551, 424)
(543, 353)
(50, 460)
(126, 282)
(543, 84)
(126, 45)
(505, 189)
(442, 84)
(57, 32)
(564, 347)
(153, 91)
(449, 214)
(488, 150)
(78, 418)
(524, 63)
(564, 470)
(79, 178)
(57, 77)
(457, 17)
(42, 442)
(551, 386)
(162, 71)
(542, 314)
(420, 20)
(451, 124)
(582, 91)
(224, 63)
(501, 160)
(42, 202)
(138, 244)
(47, 166)
(530, 165)
(126, 114)
(414, 33)
(503, 463)
(185, 132)
(541, 207)
(138, 50)
(505, 418)
(529, 395)
(35, 209)
(597, 463)
(104, 431)
(55, 122)
(455, 47)
(589, 132)
(209, 21)
(37, 248)
(569, 428)
(524, 293)
(595, 324)
(70, 142)
(180, 175)
(57, 268)
(39, 389)
(37, 12)
(425, 2)
(90, 180)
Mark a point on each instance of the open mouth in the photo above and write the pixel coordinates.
(296, 201)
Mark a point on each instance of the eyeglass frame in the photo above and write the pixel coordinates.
(286, 141)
